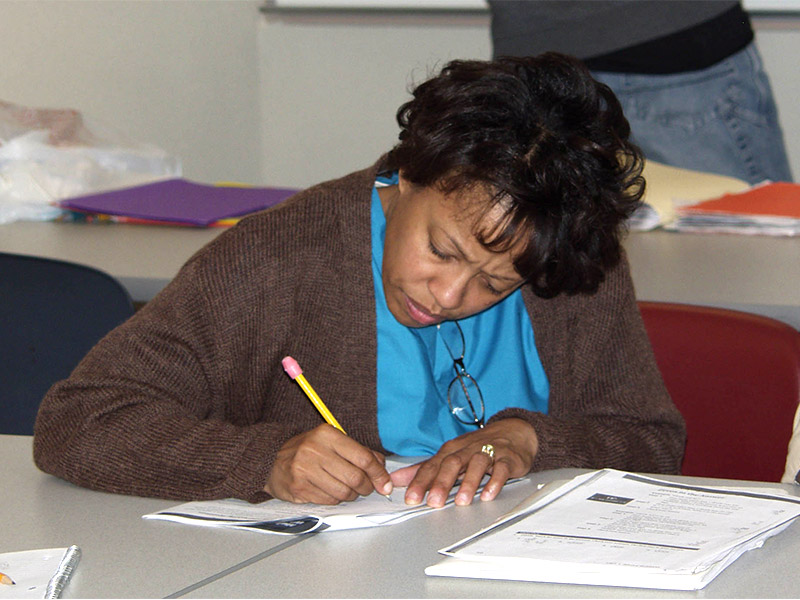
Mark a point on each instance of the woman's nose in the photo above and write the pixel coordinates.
(449, 289)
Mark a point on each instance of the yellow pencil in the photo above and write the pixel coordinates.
(6, 580)
(295, 372)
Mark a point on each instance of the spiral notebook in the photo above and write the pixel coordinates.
(37, 573)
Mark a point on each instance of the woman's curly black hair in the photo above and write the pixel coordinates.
(551, 146)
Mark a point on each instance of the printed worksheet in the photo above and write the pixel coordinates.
(616, 528)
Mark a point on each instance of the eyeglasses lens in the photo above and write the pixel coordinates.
(463, 395)
(465, 399)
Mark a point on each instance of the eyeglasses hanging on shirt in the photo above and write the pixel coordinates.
(463, 394)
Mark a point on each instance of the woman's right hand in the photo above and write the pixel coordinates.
(324, 466)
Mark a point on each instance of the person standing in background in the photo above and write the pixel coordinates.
(792, 472)
(687, 73)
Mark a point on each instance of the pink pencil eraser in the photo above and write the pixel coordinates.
(291, 367)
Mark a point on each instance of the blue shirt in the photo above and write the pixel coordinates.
(415, 368)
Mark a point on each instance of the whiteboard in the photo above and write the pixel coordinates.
(472, 5)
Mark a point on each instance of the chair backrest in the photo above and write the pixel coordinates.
(735, 377)
(51, 313)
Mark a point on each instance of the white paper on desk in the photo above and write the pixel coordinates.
(31, 571)
(614, 528)
(276, 516)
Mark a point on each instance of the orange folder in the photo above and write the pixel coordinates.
(769, 200)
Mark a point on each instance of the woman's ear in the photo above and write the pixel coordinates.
(402, 182)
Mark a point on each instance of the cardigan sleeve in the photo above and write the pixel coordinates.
(142, 415)
(608, 405)
(171, 403)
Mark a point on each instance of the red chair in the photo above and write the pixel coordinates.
(735, 377)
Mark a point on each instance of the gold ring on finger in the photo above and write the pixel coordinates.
(488, 450)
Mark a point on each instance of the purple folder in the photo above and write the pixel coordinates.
(179, 201)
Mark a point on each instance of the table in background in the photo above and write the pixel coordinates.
(144, 258)
(126, 556)
(757, 274)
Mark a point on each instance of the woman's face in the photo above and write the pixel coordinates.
(434, 268)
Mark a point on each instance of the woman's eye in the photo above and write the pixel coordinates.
(436, 252)
(492, 289)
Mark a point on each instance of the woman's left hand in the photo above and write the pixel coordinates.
(515, 446)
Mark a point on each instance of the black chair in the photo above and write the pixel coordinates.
(51, 313)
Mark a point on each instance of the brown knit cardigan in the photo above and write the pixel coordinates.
(188, 399)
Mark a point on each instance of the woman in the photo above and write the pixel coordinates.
(484, 245)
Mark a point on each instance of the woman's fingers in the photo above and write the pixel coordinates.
(503, 449)
(324, 466)
(403, 476)
(479, 465)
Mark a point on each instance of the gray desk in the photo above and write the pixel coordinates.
(390, 563)
(125, 556)
(752, 273)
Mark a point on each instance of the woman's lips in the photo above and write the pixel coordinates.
(419, 314)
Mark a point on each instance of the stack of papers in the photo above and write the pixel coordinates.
(669, 187)
(37, 573)
(177, 202)
(619, 529)
(767, 209)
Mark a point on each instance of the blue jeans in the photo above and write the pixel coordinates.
(721, 119)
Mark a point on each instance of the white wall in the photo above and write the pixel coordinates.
(331, 85)
(179, 74)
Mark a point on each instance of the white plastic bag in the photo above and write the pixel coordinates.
(47, 155)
